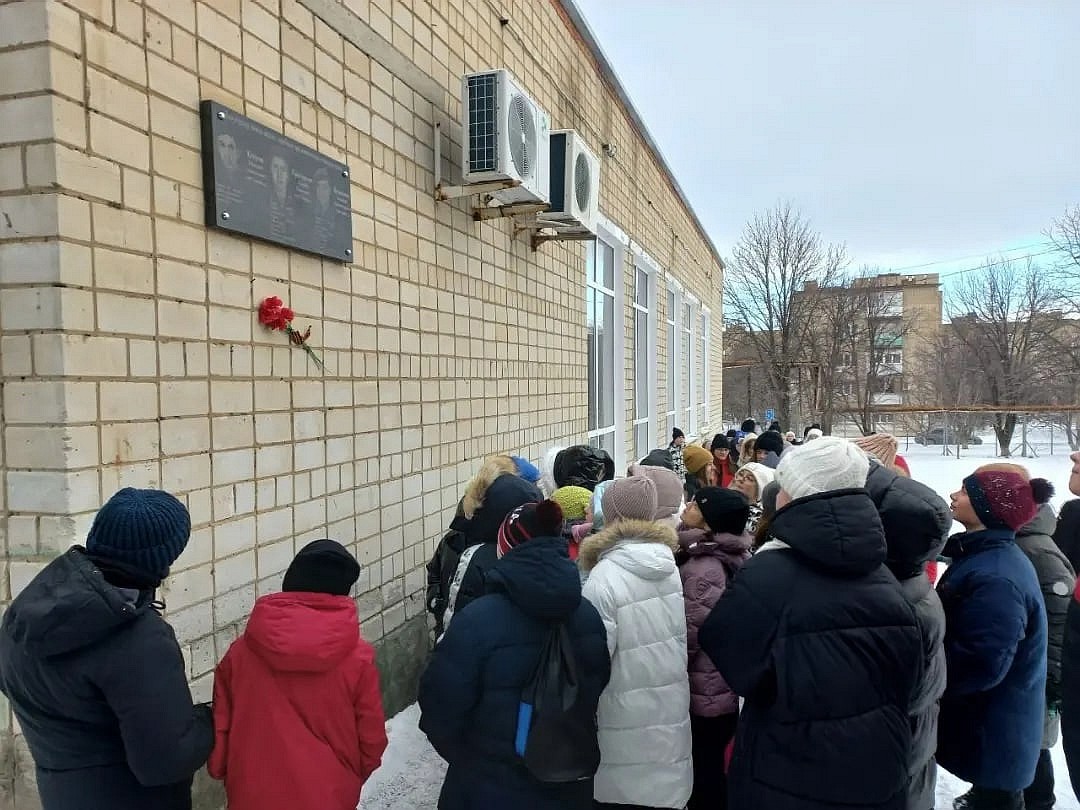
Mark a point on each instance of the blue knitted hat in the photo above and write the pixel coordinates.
(144, 528)
(526, 469)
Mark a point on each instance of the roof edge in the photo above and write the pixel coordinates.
(573, 13)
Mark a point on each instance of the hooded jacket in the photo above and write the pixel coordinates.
(817, 636)
(917, 522)
(991, 726)
(644, 714)
(707, 561)
(1067, 533)
(472, 688)
(471, 543)
(1056, 580)
(298, 715)
(98, 684)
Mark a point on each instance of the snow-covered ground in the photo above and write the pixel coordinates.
(412, 772)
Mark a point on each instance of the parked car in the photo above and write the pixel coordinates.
(940, 435)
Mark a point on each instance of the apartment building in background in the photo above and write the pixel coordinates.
(132, 353)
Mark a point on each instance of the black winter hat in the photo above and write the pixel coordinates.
(658, 458)
(720, 442)
(677, 434)
(725, 510)
(146, 529)
(749, 426)
(323, 566)
(770, 440)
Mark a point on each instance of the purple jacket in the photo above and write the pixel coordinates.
(706, 561)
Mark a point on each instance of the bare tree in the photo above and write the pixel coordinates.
(1000, 316)
(1064, 236)
(775, 259)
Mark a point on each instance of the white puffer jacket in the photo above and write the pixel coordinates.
(644, 714)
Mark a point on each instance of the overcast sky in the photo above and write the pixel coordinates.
(913, 130)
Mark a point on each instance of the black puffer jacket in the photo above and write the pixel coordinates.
(816, 634)
(97, 682)
(1067, 534)
(1057, 580)
(917, 523)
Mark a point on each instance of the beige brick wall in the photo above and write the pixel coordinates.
(131, 351)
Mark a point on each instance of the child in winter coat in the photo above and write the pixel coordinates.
(992, 714)
(472, 690)
(751, 480)
(298, 714)
(678, 443)
(713, 545)
(643, 716)
(724, 462)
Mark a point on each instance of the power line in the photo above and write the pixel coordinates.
(981, 266)
(972, 256)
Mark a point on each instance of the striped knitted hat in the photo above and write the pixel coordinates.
(144, 528)
(544, 519)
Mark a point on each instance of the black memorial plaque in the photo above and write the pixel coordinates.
(259, 183)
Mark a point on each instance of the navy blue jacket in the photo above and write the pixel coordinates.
(97, 682)
(471, 691)
(992, 714)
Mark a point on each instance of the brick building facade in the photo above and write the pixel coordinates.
(131, 351)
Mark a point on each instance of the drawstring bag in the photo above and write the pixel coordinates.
(556, 735)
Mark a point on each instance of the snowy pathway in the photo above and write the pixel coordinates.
(412, 772)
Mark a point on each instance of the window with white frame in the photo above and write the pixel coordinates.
(686, 328)
(673, 357)
(703, 372)
(644, 365)
(601, 325)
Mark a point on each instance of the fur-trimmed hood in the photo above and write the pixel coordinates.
(476, 489)
(626, 532)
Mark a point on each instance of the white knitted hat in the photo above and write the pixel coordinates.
(823, 465)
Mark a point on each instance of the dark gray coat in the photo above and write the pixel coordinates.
(917, 523)
(98, 684)
(1056, 579)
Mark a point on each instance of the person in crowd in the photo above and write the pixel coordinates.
(768, 508)
(659, 458)
(699, 470)
(644, 714)
(724, 464)
(594, 520)
(746, 450)
(812, 434)
(669, 493)
(808, 428)
(1067, 533)
(1067, 538)
(816, 605)
(768, 447)
(493, 494)
(917, 522)
(526, 469)
(298, 712)
(884, 447)
(993, 711)
(573, 501)
(751, 481)
(678, 443)
(713, 545)
(444, 562)
(791, 440)
(1057, 579)
(748, 426)
(472, 689)
(775, 426)
(94, 674)
(582, 466)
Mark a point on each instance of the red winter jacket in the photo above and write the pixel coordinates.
(297, 710)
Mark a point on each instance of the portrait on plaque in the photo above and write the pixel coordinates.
(262, 184)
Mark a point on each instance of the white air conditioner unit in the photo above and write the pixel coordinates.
(575, 182)
(505, 137)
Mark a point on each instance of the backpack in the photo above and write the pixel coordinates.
(556, 735)
(440, 575)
